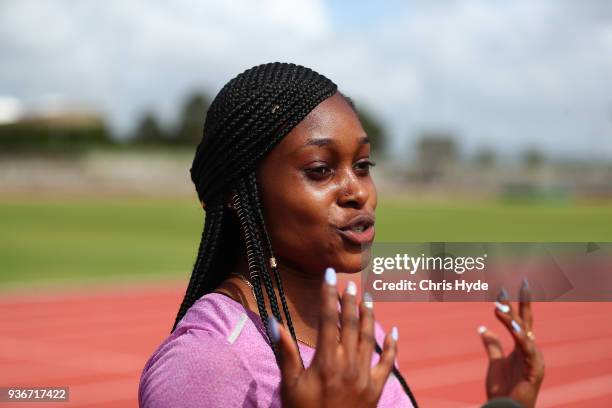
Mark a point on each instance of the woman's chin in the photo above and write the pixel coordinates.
(351, 272)
(356, 262)
(352, 264)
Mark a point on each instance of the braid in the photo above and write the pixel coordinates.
(242, 150)
(260, 218)
(206, 251)
(258, 254)
(250, 242)
(245, 121)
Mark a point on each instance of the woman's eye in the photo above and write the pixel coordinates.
(364, 166)
(318, 173)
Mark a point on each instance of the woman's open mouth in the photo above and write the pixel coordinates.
(358, 235)
(359, 230)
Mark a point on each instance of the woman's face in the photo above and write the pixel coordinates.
(317, 192)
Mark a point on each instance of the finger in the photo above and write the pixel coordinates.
(380, 372)
(504, 310)
(495, 370)
(525, 305)
(350, 321)
(290, 362)
(506, 314)
(491, 343)
(367, 338)
(328, 317)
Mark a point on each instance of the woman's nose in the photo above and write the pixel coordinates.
(352, 191)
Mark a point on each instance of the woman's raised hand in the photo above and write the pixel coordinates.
(519, 374)
(340, 374)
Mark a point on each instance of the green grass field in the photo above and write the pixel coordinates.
(111, 239)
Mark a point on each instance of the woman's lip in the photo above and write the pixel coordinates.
(364, 237)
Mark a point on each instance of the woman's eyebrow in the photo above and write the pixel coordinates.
(325, 141)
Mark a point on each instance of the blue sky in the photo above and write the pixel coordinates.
(505, 75)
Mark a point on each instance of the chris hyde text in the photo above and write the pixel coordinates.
(428, 284)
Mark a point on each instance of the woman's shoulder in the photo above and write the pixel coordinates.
(197, 361)
(215, 313)
(211, 325)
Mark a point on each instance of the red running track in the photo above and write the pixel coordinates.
(96, 342)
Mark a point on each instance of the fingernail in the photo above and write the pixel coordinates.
(394, 333)
(367, 300)
(351, 288)
(274, 332)
(503, 295)
(482, 329)
(330, 276)
(516, 326)
(525, 293)
(502, 308)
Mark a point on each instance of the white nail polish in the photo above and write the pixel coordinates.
(502, 308)
(351, 288)
(482, 329)
(330, 276)
(394, 333)
(516, 326)
(367, 300)
(274, 331)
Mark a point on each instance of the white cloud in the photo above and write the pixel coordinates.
(10, 109)
(127, 55)
(502, 73)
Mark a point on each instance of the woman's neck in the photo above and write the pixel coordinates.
(302, 293)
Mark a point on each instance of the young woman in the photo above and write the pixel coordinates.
(282, 172)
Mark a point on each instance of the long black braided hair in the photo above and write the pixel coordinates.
(248, 117)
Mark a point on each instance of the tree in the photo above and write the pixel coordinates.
(532, 158)
(373, 129)
(437, 153)
(63, 132)
(191, 122)
(485, 158)
(149, 130)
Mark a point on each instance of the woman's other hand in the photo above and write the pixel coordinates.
(518, 375)
(340, 374)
